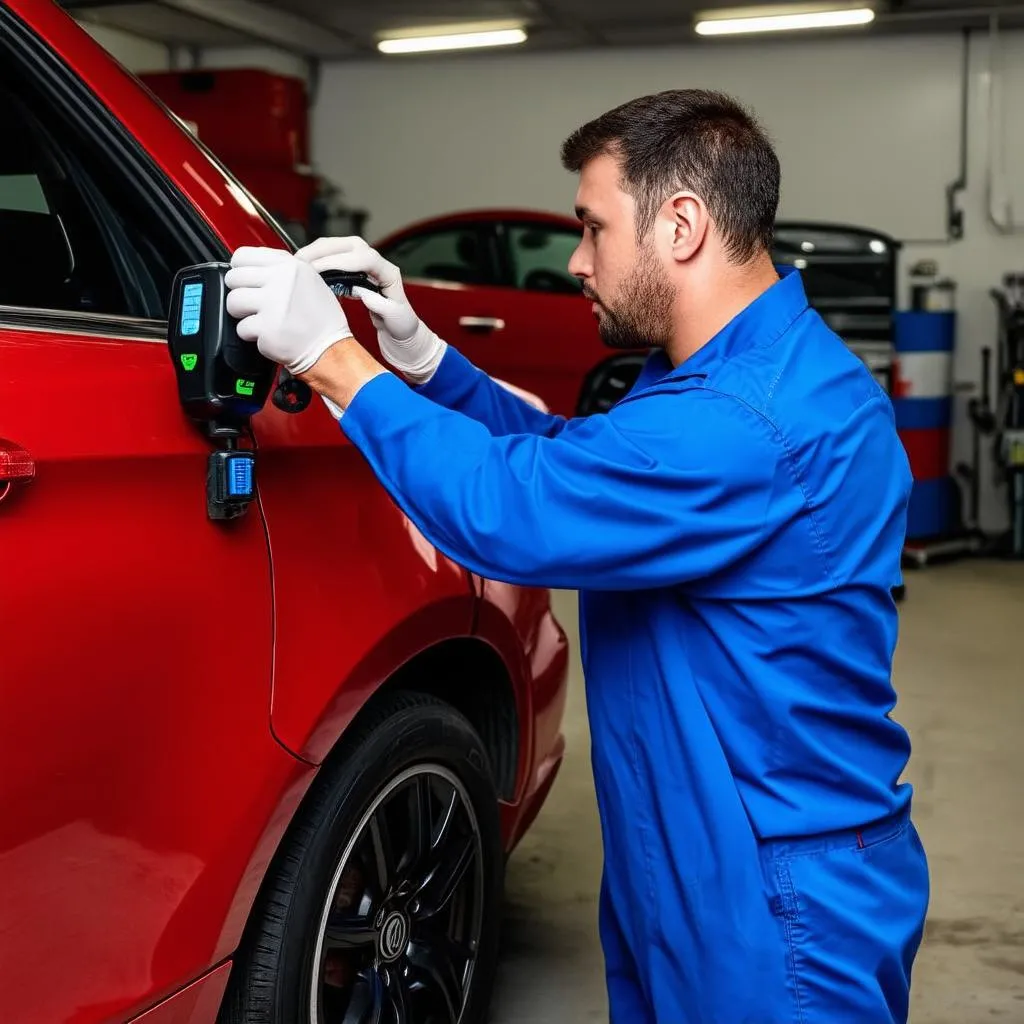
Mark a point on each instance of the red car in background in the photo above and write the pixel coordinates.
(495, 284)
(265, 769)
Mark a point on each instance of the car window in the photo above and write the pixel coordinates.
(450, 254)
(540, 258)
(73, 237)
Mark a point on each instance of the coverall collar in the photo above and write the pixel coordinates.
(761, 322)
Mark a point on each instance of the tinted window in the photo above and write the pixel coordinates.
(540, 258)
(452, 254)
(73, 235)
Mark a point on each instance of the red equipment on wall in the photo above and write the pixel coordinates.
(257, 122)
(244, 115)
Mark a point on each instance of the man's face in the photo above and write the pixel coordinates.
(627, 283)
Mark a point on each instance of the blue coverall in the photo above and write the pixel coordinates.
(734, 527)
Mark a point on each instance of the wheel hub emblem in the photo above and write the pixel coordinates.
(394, 936)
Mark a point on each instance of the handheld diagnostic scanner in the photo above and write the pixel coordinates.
(223, 381)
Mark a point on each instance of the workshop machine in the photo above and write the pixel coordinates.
(223, 381)
(1002, 419)
(849, 275)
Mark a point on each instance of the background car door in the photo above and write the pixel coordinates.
(501, 293)
(135, 633)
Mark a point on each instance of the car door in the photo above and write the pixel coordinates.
(135, 633)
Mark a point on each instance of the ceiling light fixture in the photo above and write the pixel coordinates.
(834, 18)
(452, 41)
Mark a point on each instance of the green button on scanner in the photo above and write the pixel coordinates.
(245, 387)
(189, 360)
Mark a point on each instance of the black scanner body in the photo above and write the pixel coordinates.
(223, 380)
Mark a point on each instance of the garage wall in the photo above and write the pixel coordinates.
(867, 131)
(840, 113)
(133, 52)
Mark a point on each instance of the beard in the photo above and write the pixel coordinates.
(642, 314)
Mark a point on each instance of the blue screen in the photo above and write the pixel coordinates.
(191, 306)
(240, 477)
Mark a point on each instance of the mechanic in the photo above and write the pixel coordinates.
(734, 527)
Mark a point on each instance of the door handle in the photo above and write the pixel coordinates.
(16, 466)
(484, 324)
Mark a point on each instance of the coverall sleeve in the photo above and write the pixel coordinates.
(662, 490)
(459, 385)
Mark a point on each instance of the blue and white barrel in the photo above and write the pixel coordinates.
(922, 395)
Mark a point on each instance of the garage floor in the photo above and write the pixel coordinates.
(960, 680)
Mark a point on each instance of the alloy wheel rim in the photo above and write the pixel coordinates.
(400, 929)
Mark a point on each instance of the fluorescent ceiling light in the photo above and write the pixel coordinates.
(452, 41)
(785, 22)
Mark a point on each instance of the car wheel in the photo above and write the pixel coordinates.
(383, 904)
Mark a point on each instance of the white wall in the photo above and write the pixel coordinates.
(867, 132)
(132, 51)
(488, 129)
(266, 58)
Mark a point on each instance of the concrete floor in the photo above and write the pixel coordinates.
(960, 680)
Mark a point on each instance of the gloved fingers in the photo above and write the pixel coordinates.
(249, 329)
(251, 276)
(352, 255)
(384, 273)
(258, 256)
(330, 246)
(243, 302)
(375, 303)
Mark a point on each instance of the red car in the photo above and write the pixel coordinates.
(265, 769)
(495, 284)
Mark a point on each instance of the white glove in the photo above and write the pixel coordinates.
(405, 341)
(284, 306)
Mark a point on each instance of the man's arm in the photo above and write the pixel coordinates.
(459, 385)
(630, 500)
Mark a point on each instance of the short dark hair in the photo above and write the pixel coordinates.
(693, 139)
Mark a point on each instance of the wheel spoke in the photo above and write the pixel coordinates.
(383, 854)
(432, 974)
(453, 853)
(420, 823)
(367, 1004)
(345, 932)
(442, 944)
(395, 997)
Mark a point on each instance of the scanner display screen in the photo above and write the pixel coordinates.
(191, 306)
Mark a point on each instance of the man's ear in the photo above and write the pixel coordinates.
(688, 222)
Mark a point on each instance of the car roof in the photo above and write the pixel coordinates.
(482, 216)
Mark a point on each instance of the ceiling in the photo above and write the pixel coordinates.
(341, 29)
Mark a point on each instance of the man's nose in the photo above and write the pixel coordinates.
(580, 263)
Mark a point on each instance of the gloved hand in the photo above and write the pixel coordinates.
(405, 341)
(284, 306)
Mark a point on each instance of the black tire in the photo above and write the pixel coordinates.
(608, 382)
(435, 750)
